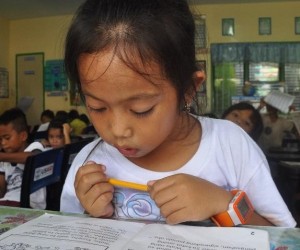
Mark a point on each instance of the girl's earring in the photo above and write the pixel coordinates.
(187, 107)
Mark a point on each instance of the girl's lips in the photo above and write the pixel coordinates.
(127, 152)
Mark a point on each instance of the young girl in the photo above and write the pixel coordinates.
(58, 134)
(134, 62)
(247, 117)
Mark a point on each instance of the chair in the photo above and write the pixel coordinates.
(43, 170)
(70, 151)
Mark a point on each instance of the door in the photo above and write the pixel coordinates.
(30, 85)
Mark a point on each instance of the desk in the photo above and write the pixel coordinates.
(290, 186)
(283, 156)
(285, 169)
(286, 238)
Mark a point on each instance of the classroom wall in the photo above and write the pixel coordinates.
(4, 42)
(4, 53)
(39, 35)
(47, 35)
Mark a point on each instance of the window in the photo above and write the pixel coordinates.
(292, 82)
(228, 82)
(267, 66)
(265, 77)
(264, 72)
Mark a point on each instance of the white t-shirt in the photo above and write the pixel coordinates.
(227, 156)
(13, 177)
(274, 132)
(43, 127)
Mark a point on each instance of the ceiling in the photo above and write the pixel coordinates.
(22, 9)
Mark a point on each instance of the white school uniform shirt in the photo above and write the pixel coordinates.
(13, 178)
(227, 156)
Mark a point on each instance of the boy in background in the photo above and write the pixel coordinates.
(46, 117)
(275, 128)
(15, 150)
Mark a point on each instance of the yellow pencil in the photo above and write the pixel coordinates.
(127, 184)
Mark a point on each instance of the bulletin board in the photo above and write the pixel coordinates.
(4, 90)
(55, 76)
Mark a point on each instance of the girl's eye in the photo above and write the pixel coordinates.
(144, 113)
(96, 110)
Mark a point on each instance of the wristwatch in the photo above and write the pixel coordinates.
(239, 211)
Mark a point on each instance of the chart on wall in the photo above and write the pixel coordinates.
(55, 77)
(30, 91)
(3, 83)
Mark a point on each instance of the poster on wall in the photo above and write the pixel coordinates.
(55, 76)
(3, 83)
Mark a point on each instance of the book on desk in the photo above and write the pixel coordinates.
(51, 231)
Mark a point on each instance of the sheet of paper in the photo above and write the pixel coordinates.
(25, 102)
(279, 100)
(156, 236)
(56, 232)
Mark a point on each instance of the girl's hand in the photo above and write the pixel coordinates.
(183, 197)
(67, 129)
(93, 191)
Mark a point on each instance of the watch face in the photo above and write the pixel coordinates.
(243, 207)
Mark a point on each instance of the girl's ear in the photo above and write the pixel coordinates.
(198, 79)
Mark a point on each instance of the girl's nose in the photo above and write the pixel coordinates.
(120, 128)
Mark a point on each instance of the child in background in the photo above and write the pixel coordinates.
(46, 117)
(275, 128)
(247, 117)
(63, 116)
(13, 138)
(136, 72)
(58, 134)
(76, 123)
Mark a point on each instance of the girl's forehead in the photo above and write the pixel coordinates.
(93, 66)
(55, 130)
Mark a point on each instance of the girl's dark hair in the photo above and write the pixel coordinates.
(255, 117)
(56, 124)
(159, 31)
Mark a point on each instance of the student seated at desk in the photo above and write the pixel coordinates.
(247, 117)
(46, 117)
(13, 138)
(58, 134)
(136, 72)
(275, 128)
(76, 123)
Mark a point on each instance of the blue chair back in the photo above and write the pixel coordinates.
(43, 170)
